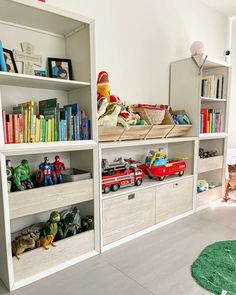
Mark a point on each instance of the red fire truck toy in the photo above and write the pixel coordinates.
(119, 174)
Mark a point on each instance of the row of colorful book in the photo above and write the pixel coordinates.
(45, 122)
(212, 86)
(210, 121)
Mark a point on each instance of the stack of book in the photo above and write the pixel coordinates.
(212, 86)
(45, 122)
(210, 121)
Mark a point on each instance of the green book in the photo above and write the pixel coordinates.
(18, 110)
(46, 130)
(53, 129)
(47, 103)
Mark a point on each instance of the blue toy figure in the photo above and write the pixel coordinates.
(47, 171)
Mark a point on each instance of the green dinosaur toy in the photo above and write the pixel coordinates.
(70, 223)
(21, 176)
(87, 222)
(50, 231)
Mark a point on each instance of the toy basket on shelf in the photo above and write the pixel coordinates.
(152, 114)
(178, 130)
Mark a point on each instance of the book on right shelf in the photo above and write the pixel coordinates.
(212, 86)
(210, 121)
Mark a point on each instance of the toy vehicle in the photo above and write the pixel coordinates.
(157, 166)
(120, 173)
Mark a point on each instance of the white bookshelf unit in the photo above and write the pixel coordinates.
(60, 34)
(185, 93)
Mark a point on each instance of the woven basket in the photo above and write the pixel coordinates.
(151, 114)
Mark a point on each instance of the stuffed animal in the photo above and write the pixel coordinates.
(181, 119)
(111, 116)
(103, 86)
(202, 186)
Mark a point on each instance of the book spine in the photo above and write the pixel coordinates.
(15, 129)
(44, 131)
(4, 126)
(37, 130)
(9, 124)
(69, 123)
(29, 124)
(21, 128)
(32, 127)
(49, 131)
(3, 66)
(25, 125)
(65, 128)
(53, 129)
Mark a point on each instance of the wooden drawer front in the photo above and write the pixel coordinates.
(174, 199)
(128, 214)
(210, 164)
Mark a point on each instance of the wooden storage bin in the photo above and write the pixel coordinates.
(173, 199)
(161, 130)
(42, 199)
(109, 133)
(135, 132)
(128, 214)
(178, 130)
(37, 261)
(210, 164)
(206, 197)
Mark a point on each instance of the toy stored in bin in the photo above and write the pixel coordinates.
(181, 121)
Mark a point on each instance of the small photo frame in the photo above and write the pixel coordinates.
(10, 61)
(60, 68)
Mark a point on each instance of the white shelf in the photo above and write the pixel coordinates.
(206, 136)
(46, 147)
(147, 183)
(132, 143)
(21, 80)
(209, 99)
(215, 63)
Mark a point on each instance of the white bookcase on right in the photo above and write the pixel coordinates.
(186, 93)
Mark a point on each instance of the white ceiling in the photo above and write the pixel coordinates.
(226, 7)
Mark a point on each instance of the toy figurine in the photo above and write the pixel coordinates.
(21, 176)
(47, 173)
(21, 244)
(202, 186)
(58, 167)
(9, 170)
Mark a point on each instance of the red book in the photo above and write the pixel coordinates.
(9, 127)
(21, 128)
(4, 126)
(15, 129)
(204, 112)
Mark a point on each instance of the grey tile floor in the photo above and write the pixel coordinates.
(157, 263)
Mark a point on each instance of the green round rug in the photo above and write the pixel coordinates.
(215, 268)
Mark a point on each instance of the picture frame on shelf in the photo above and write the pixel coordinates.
(10, 61)
(60, 68)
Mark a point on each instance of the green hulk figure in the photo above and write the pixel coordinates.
(21, 176)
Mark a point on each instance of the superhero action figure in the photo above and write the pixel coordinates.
(10, 171)
(47, 172)
(22, 177)
(58, 167)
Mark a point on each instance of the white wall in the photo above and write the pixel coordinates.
(232, 112)
(136, 40)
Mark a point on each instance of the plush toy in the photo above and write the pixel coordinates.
(111, 116)
(202, 186)
(103, 86)
(231, 181)
(181, 119)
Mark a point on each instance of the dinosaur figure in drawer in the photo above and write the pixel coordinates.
(49, 231)
(21, 244)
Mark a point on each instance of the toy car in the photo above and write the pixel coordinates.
(157, 166)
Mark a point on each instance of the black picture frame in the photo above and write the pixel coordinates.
(8, 55)
(59, 72)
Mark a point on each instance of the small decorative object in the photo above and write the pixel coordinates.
(157, 165)
(49, 231)
(119, 174)
(60, 68)
(21, 244)
(10, 171)
(197, 48)
(230, 182)
(87, 222)
(70, 223)
(58, 168)
(22, 176)
(46, 172)
(10, 61)
(110, 118)
(28, 58)
(202, 186)
(40, 73)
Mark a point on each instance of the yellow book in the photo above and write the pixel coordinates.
(32, 127)
(25, 124)
(30, 105)
(49, 133)
(37, 130)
